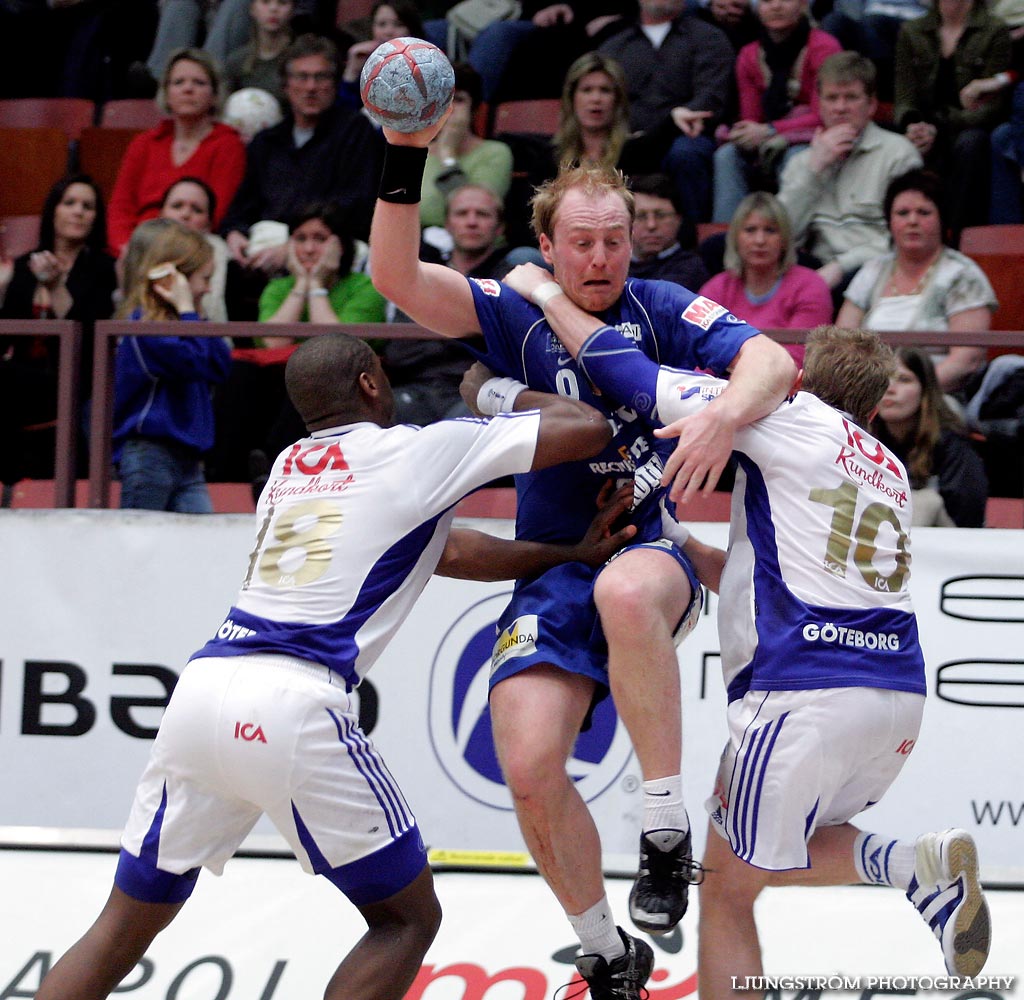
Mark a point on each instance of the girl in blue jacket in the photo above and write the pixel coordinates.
(163, 409)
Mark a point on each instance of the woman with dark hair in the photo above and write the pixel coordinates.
(914, 421)
(70, 276)
(193, 203)
(459, 156)
(922, 284)
(388, 19)
(320, 286)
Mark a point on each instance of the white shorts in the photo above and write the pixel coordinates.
(245, 735)
(797, 760)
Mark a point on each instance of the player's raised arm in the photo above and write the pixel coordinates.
(432, 295)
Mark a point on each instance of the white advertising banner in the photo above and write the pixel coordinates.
(100, 610)
(265, 931)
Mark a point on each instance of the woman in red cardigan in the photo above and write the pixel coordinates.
(188, 143)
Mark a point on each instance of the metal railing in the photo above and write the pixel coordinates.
(107, 332)
(69, 353)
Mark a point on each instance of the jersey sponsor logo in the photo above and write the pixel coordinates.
(312, 460)
(705, 392)
(703, 312)
(460, 723)
(853, 637)
(905, 748)
(282, 489)
(488, 286)
(519, 639)
(229, 630)
(870, 449)
(249, 732)
(631, 331)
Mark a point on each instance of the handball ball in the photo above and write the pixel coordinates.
(251, 110)
(407, 84)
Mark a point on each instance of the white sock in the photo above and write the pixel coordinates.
(597, 931)
(663, 805)
(882, 861)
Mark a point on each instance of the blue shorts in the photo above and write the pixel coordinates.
(552, 619)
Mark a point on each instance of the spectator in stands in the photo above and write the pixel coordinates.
(777, 83)
(593, 125)
(1006, 202)
(321, 152)
(426, 374)
(192, 202)
(677, 67)
(69, 275)
(528, 57)
(254, 416)
(320, 286)
(922, 284)
(871, 28)
(658, 224)
(458, 156)
(221, 25)
(914, 420)
(834, 190)
(259, 62)
(388, 19)
(733, 17)
(163, 412)
(762, 282)
(937, 56)
(190, 142)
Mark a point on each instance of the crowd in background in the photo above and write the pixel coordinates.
(842, 148)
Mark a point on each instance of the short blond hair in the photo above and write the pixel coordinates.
(201, 58)
(592, 181)
(848, 369)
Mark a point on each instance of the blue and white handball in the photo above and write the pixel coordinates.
(407, 84)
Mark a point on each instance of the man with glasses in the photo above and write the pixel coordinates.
(657, 250)
(321, 152)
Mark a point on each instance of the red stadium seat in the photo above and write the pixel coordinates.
(32, 160)
(69, 114)
(130, 112)
(100, 151)
(18, 234)
(999, 252)
(539, 116)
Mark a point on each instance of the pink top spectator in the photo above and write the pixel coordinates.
(752, 81)
(801, 300)
(147, 171)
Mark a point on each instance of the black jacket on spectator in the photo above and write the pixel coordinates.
(692, 68)
(340, 164)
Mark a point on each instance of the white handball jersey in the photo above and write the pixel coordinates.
(352, 523)
(815, 590)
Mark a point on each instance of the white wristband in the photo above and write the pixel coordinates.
(317, 292)
(543, 294)
(498, 395)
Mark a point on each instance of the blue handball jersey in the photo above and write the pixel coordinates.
(352, 522)
(671, 325)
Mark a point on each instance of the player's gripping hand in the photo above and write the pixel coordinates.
(700, 456)
(600, 543)
(423, 138)
(526, 279)
(476, 374)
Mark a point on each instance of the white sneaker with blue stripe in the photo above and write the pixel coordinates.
(946, 892)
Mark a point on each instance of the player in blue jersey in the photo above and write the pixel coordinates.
(353, 520)
(554, 656)
(822, 662)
